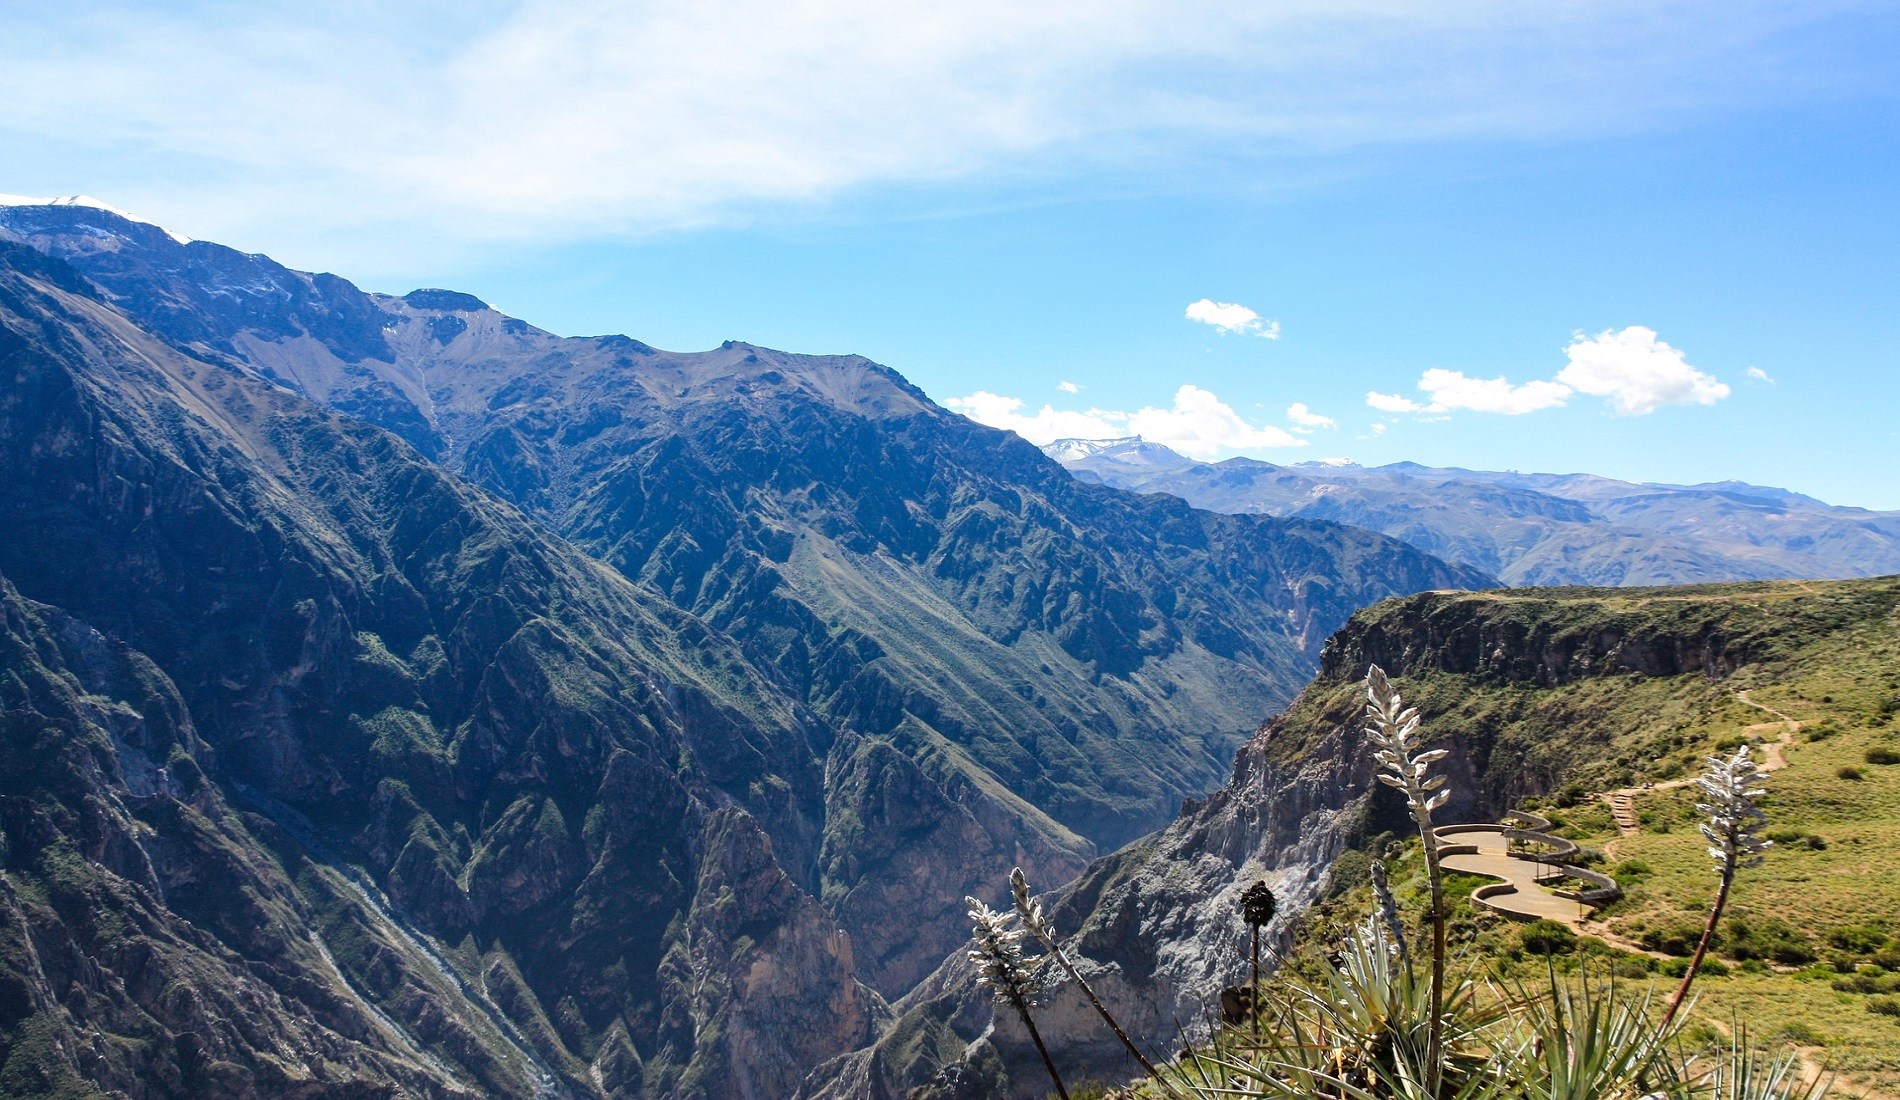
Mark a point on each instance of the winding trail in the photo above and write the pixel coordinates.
(1623, 800)
(1485, 850)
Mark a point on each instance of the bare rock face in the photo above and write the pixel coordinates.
(761, 972)
(1547, 638)
(904, 837)
(481, 781)
(126, 876)
(1156, 931)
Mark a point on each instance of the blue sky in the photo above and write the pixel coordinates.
(1671, 230)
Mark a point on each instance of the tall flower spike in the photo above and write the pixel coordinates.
(1388, 909)
(1258, 905)
(1393, 729)
(1729, 785)
(1000, 966)
(998, 955)
(1036, 923)
(1733, 818)
(1029, 908)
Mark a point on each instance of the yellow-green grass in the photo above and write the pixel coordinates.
(1827, 655)
(1840, 688)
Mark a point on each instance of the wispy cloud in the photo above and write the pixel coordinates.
(1632, 369)
(1232, 317)
(1756, 374)
(1069, 387)
(1198, 423)
(537, 118)
(1392, 402)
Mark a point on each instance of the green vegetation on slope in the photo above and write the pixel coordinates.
(1553, 716)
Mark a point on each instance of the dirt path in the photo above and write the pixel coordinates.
(1623, 800)
(1776, 750)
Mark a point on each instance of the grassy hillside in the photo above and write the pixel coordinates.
(1555, 714)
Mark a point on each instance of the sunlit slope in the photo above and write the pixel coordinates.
(1557, 700)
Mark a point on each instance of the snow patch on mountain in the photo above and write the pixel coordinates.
(89, 201)
(1129, 450)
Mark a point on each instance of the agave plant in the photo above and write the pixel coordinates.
(1744, 1072)
(1362, 1029)
(1584, 1042)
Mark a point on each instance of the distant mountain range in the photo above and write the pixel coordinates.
(1528, 529)
(396, 696)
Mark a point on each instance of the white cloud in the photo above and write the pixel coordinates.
(1450, 389)
(1198, 424)
(535, 118)
(1306, 419)
(1201, 425)
(1046, 425)
(1636, 372)
(1068, 387)
(1378, 428)
(1392, 402)
(1232, 317)
(1757, 374)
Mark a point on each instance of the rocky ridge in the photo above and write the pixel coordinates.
(1528, 529)
(504, 821)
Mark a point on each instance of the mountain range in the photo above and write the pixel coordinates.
(1528, 529)
(401, 699)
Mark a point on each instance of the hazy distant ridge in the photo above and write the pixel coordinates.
(1528, 529)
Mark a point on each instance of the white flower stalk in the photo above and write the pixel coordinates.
(998, 955)
(1001, 968)
(1734, 819)
(1730, 786)
(1393, 728)
(1036, 922)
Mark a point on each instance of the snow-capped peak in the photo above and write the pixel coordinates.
(89, 201)
(1127, 451)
